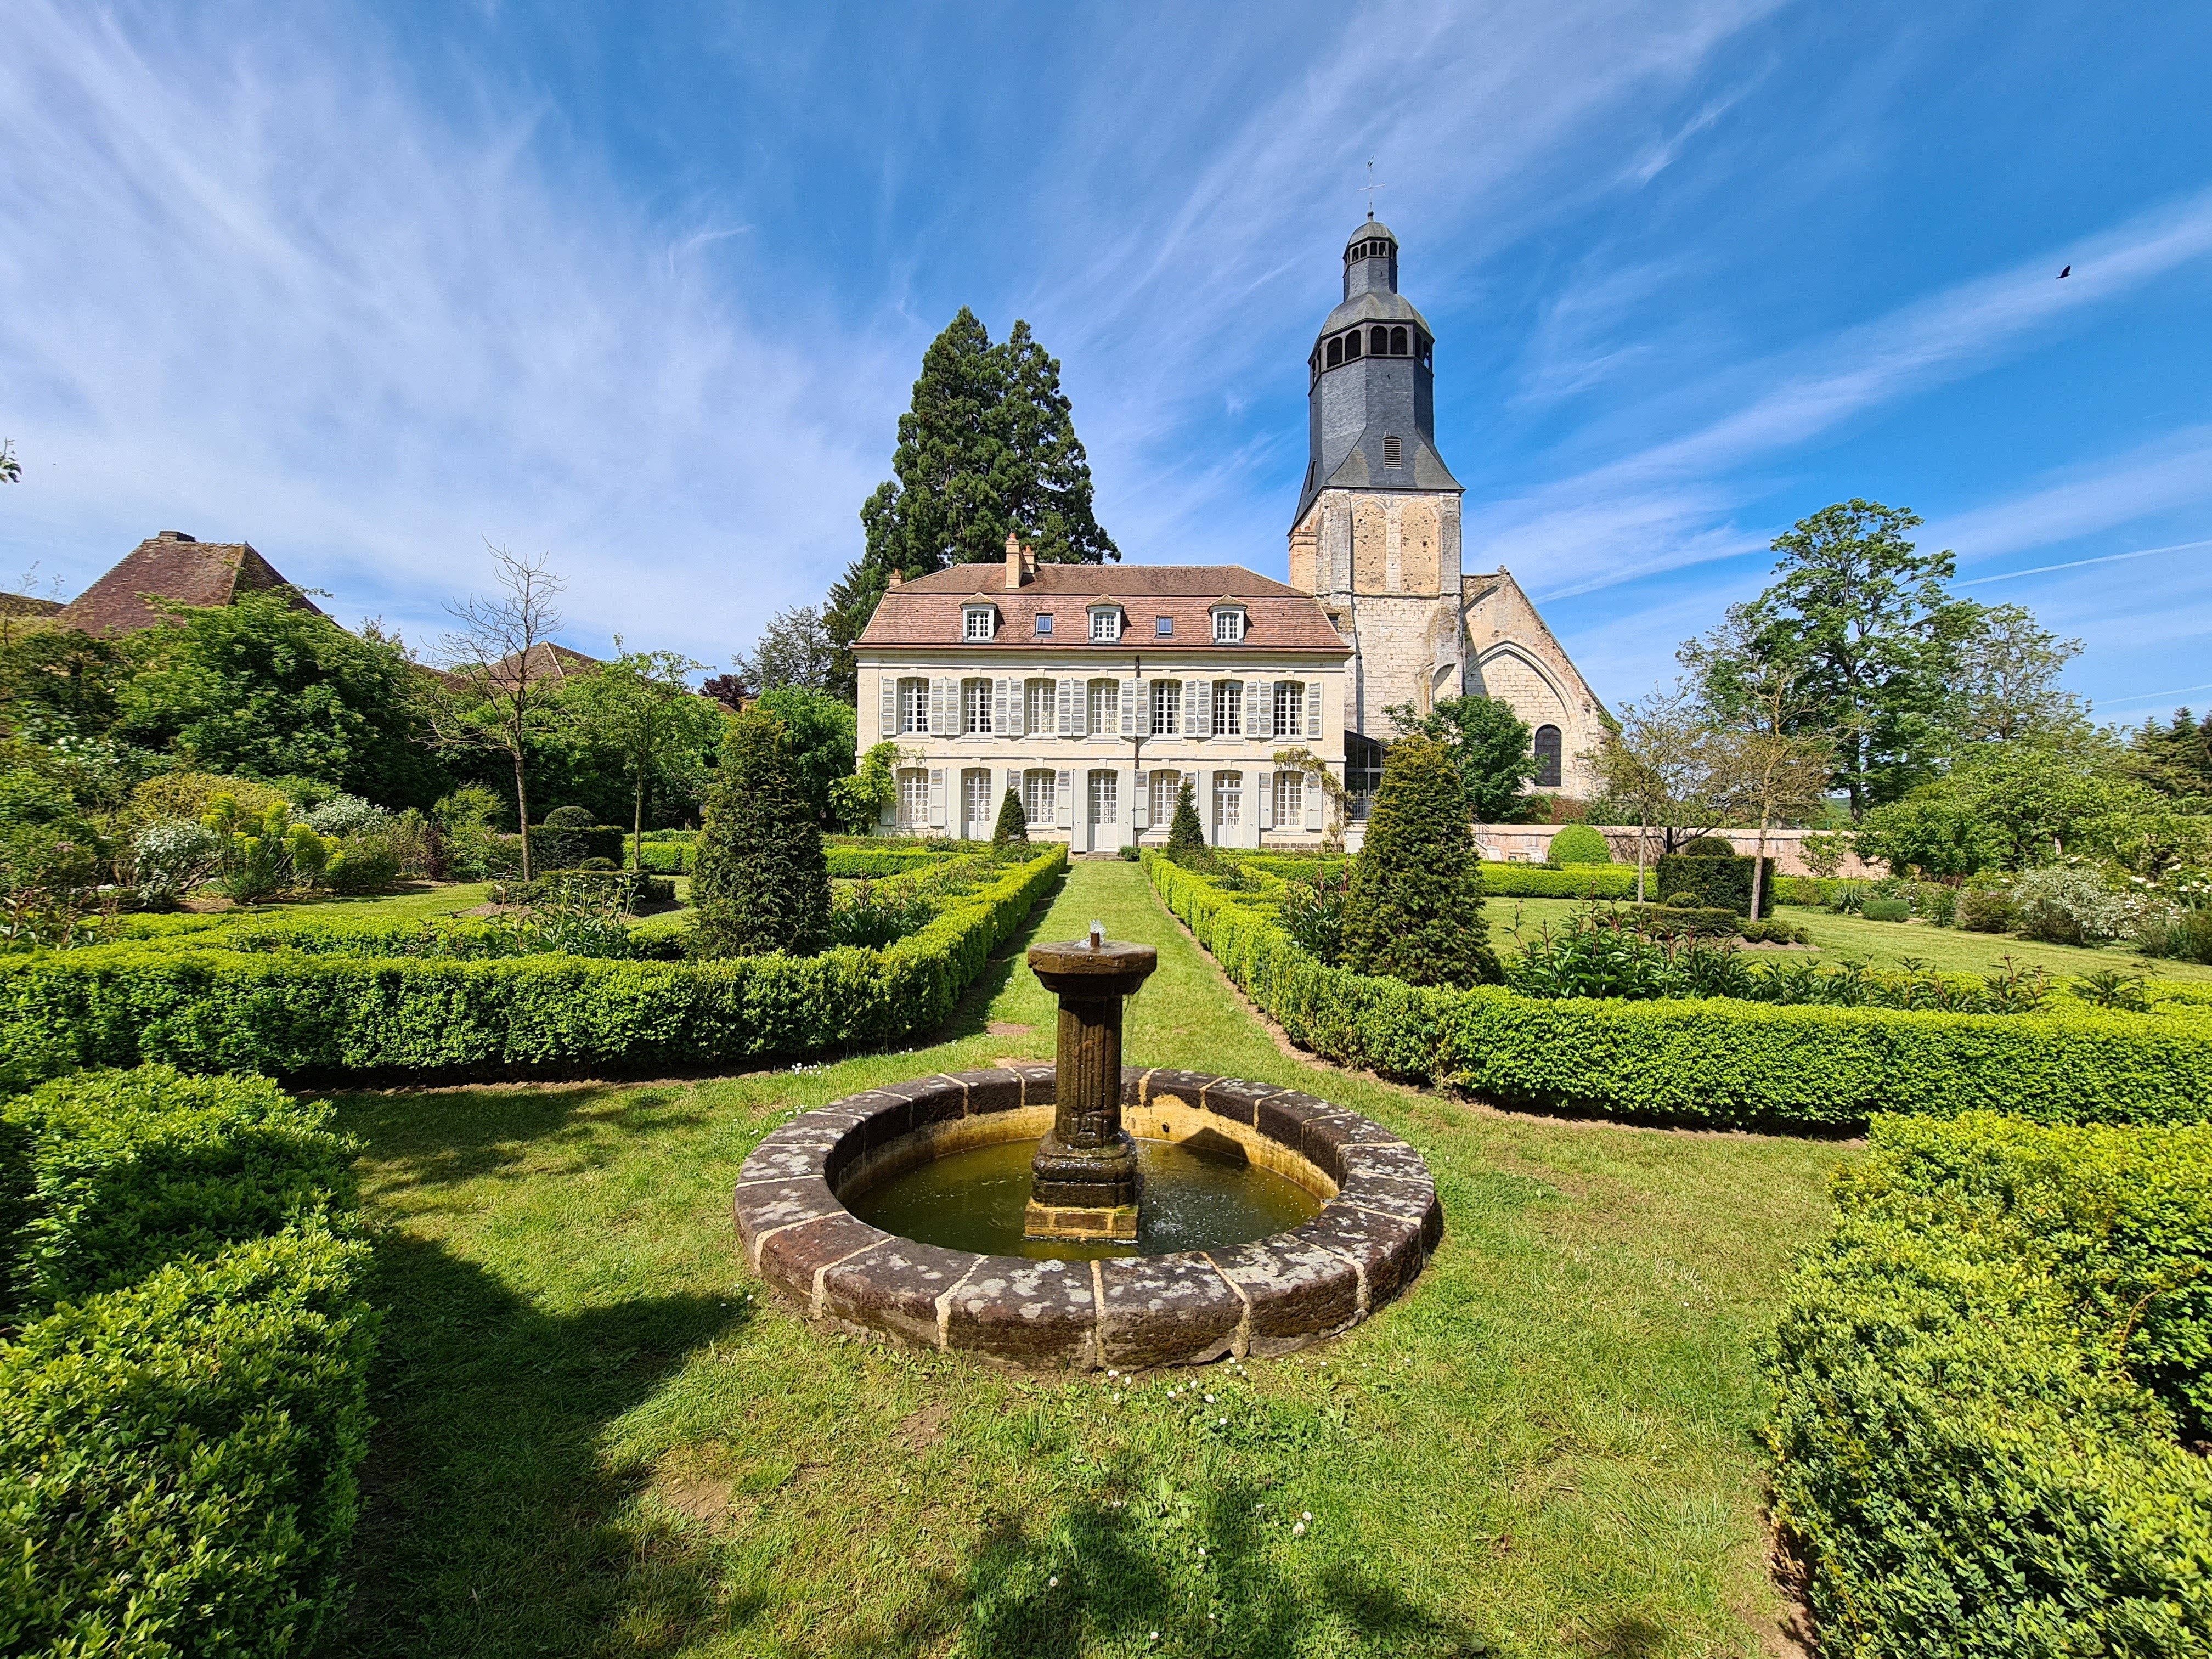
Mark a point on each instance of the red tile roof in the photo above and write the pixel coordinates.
(1278, 618)
(175, 567)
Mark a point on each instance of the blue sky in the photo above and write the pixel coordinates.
(646, 287)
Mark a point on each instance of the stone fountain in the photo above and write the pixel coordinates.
(1085, 1186)
(1088, 1213)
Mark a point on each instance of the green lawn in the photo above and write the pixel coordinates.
(1888, 943)
(596, 1437)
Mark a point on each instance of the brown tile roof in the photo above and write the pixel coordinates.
(927, 611)
(548, 662)
(175, 567)
(27, 605)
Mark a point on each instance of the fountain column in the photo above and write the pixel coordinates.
(1084, 1175)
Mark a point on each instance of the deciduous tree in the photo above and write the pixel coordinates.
(640, 709)
(1657, 763)
(1488, 744)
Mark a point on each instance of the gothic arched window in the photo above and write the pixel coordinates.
(1546, 746)
(1397, 343)
(1336, 352)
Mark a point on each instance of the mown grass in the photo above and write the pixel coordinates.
(596, 1437)
(1889, 943)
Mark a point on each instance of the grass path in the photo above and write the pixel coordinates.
(595, 1437)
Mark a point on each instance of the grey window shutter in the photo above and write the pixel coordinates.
(1258, 710)
(1198, 709)
(1140, 808)
(937, 798)
(1017, 714)
(1129, 708)
(1078, 707)
(1266, 790)
(1313, 709)
(940, 718)
(1066, 711)
(1063, 801)
(888, 725)
(1316, 803)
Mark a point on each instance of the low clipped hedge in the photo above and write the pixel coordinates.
(184, 1392)
(1715, 1060)
(1574, 881)
(290, 1013)
(1983, 1379)
(877, 859)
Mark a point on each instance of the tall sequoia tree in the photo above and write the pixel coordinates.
(988, 446)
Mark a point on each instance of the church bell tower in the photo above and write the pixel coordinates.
(1376, 533)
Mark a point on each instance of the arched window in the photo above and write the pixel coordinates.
(1546, 746)
(1352, 345)
(1336, 352)
(1397, 343)
(1378, 340)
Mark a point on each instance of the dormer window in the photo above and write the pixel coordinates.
(978, 622)
(1229, 625)
(1106, 622)
(1044, 624)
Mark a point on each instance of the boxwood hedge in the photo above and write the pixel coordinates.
(288, 1011)
(1715, 1060)
(1983, 1379)
(184, 1391)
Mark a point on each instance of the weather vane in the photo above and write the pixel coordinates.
(1370, 187)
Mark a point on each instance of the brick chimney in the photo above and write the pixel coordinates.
(896, 578)
(1029, 564)
(1015, 574)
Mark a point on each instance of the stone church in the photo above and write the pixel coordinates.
(1376, 538)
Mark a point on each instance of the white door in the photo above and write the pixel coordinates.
(976, 821)
(1102, 817)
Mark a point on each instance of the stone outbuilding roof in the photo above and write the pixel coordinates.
(176, 567)
(27, 605)
(1278, 617)
(548, 663)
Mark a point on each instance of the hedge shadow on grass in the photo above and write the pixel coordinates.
(971, 1016)
(458, 1134)
(490, 1524)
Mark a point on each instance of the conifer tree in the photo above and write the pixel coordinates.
(1013, 828)
(760, 881)
(988, 447)
(1415, 909)
(1186, 835)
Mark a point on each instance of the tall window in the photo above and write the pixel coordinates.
(1040, 709)
(1289, 708)
(979, 621)
(1104, 798)
(1228, 804)
(1105, 709)
(1105, 624)
(1228, 625)
(1164, 787)
(976, 706)
(914, 798)
(913, 705)
(1289, 799)
(1548, 746)
(1036, 794)
(1228, 708)
(1167, 707)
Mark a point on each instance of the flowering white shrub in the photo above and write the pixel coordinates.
(171, 857)
(2071, 905)
(348, 815)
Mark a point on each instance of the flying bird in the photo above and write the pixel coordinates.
(2068, 271)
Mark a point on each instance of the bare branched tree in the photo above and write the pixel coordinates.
(1663, 760)
(498, 670)
(1766, 759)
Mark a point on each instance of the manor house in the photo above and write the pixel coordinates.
(1094, 691)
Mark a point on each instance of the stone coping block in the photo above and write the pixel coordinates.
(1273, 1295)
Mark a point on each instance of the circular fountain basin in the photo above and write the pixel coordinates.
(1363, 1201)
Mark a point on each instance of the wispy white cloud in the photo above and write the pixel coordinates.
(2174, 471)
(1658, 506)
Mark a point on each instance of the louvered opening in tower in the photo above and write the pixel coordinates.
(1393, 451)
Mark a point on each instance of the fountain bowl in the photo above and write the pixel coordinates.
(1378, 1221)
